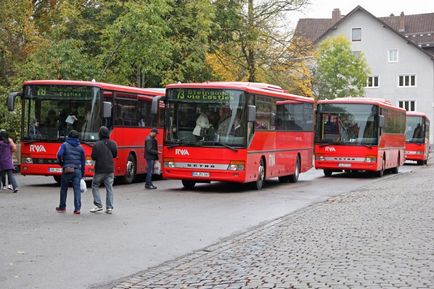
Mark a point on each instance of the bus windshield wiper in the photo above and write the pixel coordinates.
(220, 143)
(179, 142)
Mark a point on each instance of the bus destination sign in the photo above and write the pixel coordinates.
(202, 95)
(50, 91)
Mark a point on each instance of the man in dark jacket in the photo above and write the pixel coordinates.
(151, 155)
(72, 159)
(103, 153)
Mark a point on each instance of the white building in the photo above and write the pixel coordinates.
(399, 51)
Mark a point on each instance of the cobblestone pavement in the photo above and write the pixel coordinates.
(378, 237)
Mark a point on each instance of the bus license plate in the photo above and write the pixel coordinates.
(55, 170)
(344, 165)
(200, 174)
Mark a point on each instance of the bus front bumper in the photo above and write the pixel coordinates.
(204, 175)
(48, 170)
(415, 155)
(346, 166)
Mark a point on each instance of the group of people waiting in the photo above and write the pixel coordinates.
(72, 159)
(7, 168)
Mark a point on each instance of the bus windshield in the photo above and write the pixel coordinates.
(51, 111)
(206, 117)
(354, 124)
(414, 132)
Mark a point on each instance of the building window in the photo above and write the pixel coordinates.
(392, 55)
(357, 53)
(408, 80)
(408, 105)
(357, 34)
(373, 81)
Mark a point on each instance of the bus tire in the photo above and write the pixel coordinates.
(130, 172)
(395, 170)
(294, 178)
(420, 163)
(380, 173)
(328, 173)
(188, 185)
(57, 178)
(259, 183)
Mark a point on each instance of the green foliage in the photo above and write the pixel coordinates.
(340, 72)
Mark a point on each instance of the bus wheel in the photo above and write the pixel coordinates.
(188, 185)
(130, 173)
(294, 178)
(328, 173)
(57, 179)
(395, 170)
(380, 173)
(420, 163)
(261, 176)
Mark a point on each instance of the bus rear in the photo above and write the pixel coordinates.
(357, 134)
(417, 137)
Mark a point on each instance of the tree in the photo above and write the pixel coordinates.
(340, 72)
(247, 34)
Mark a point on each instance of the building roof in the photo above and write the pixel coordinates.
(417, 28)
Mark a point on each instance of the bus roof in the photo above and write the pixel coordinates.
(251, 87)
(361, 100)
(416, 113)
(106, 86)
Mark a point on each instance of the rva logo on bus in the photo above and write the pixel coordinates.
(182, 152)
(38, 148)
(330, 149)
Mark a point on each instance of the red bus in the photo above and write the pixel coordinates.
(417, 137)
(252, 132)
(359, 134)
(51, 108)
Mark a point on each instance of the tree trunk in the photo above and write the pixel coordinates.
(251, 40)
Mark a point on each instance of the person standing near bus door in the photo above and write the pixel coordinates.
(103, 153)
(72, 159)
(7, 147)
(151, 155)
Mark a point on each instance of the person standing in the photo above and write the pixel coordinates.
(151, 155)
(72, 159)
(103, 153)
(7, 148)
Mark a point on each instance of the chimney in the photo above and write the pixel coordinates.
(336, 15)
(401, 22)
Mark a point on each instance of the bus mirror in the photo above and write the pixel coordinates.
(107, 109)
(251, 113)
(156, 104)
(381, 121)
(11, 100)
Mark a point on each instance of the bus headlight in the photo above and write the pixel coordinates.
(26, 160)
(236, 166)
(370, 159)
(320, 157)
(169, 163)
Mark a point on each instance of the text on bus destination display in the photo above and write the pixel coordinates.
(202, 95)
(63, 91)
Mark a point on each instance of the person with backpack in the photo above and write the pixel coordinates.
(7, 148)
(72, 159)
(103, 153)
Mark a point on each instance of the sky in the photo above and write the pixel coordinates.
(379, 8)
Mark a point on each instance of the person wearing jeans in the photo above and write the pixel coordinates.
(72, 159)
(151, 155)
(7, 148)
(103, 153)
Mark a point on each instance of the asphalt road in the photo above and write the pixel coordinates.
(44, 249)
